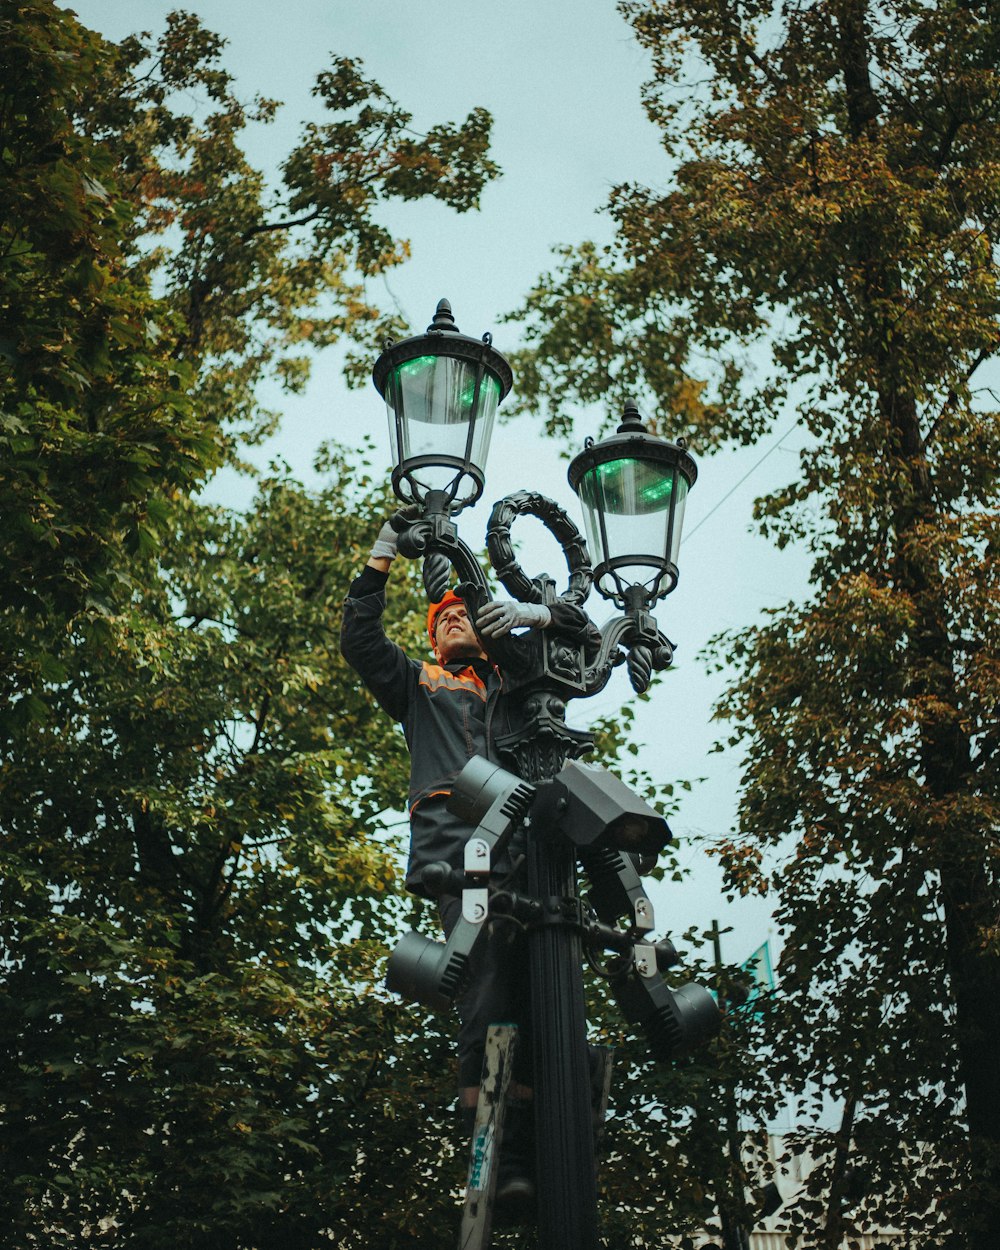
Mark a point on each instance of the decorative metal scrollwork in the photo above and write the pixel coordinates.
(434, 538)
(558, 522)
(633, 639)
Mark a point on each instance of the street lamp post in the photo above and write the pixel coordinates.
(442, 390)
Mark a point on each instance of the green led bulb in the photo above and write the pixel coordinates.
(469, 393)
(658, 492)
(630, 486)
(411, 367)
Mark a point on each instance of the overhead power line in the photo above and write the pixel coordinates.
(732, 490)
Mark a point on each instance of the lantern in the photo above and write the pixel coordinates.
(442, 390)
(633, 487)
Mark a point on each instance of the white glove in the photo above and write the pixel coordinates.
(497, 618)
(385, 544)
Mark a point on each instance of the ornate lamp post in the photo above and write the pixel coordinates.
(442, 390)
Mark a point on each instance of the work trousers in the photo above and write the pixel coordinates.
(497, 992)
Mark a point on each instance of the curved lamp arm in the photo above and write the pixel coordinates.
(647, 647)
(559, 524)
(433, 537)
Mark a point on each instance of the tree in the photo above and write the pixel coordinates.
(90, 394)
(190, 837)
(191, 1052)
(114, 401)
(826, 248)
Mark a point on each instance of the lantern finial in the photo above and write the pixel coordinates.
(631, 420)
(443, 319)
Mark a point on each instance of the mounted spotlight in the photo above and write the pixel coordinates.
(674, 1021)
(493, 801)
(593, 808)
(616, 891)
(483, 790)
(433, 973)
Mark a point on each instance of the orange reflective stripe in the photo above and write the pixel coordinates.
(433, 794)
(433, 677)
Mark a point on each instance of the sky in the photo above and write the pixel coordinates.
(563, 82)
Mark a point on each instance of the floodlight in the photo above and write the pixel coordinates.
(615, 888)
(491, 799)
(674, 1021)
(594, 808)
(434, 973)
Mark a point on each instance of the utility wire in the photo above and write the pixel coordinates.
(732, 490)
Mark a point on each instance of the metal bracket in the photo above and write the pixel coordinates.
(477, 857)
(475, 905)
(645, 960)
(561, 913)
(644, 915)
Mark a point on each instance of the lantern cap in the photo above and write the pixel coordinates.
(443, 338)
(632, 441)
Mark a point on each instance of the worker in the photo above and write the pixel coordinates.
(449, 708)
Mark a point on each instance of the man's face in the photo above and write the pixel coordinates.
(454, 637)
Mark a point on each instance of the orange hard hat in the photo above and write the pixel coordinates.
(435, 608)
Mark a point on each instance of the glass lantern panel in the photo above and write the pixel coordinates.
(635, 498)
(433, 397)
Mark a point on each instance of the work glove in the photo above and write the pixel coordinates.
(496, 619)
(385, 545)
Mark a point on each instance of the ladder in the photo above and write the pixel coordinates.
(487, 1133)
(487, 1136)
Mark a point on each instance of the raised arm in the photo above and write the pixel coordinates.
(498, 618)
(381, 664)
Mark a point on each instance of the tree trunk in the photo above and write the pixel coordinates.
(968, 892)
(833, 1232)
